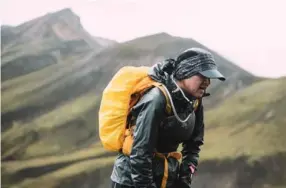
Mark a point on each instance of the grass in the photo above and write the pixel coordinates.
(55, 178)
(250, 123)
(24, 89)
(48, 123)
(247, 104)
(60, 115)
(66, 112)
(15, 166)
(256, 141)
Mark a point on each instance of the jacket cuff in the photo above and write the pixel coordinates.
(192, 168)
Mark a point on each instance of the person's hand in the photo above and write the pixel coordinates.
(185, 180)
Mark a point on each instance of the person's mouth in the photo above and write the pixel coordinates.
(202, 88)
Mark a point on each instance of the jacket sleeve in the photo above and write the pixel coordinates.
(149, 112)
(191, 148)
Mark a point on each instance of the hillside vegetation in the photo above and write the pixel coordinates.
(53, 73)
(55, 107)
(230, 140)
(252, 122)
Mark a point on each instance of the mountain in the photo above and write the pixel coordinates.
(63, 97)
(32, 102)
(243, 148)
(104, 42)
(53, 74)
(151, 49)
(51, 39)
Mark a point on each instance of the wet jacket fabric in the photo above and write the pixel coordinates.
(157, 131)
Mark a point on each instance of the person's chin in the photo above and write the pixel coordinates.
(200, 93)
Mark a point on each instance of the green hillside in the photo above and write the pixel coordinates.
(60, 101)
(71, 125)
(50, 94)
(251, 123)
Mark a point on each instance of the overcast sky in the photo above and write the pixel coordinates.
(251, 33)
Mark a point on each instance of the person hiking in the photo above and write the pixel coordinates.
(154, 161)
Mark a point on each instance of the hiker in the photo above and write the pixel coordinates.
(154, 161)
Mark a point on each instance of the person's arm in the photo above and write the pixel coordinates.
(149, 111)
(191, 150)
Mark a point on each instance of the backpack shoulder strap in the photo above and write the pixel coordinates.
(168, 106)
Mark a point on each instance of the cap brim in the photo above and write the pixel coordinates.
(213, 74)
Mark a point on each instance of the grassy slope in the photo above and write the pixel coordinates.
(23, 139)
(76, 117)
(55, 179)
(45, 94)
(52, 171)
(31, 88)
(252, 123)
(94, 150)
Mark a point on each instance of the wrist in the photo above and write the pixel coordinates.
(192, 168)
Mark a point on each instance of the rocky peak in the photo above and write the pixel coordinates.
(66, 16)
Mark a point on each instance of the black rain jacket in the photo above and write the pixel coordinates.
(157, 131)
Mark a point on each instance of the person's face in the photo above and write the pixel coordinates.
(195, 85)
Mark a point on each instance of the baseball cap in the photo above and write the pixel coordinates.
(197, 60)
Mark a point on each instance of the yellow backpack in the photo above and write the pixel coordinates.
(120, 95)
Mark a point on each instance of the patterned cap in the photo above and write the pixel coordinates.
(194, 61)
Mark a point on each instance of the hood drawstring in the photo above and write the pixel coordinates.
(172, 103)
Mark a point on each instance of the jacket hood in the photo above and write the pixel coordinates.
(181, 101)
(157, 73)
(162, 72)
